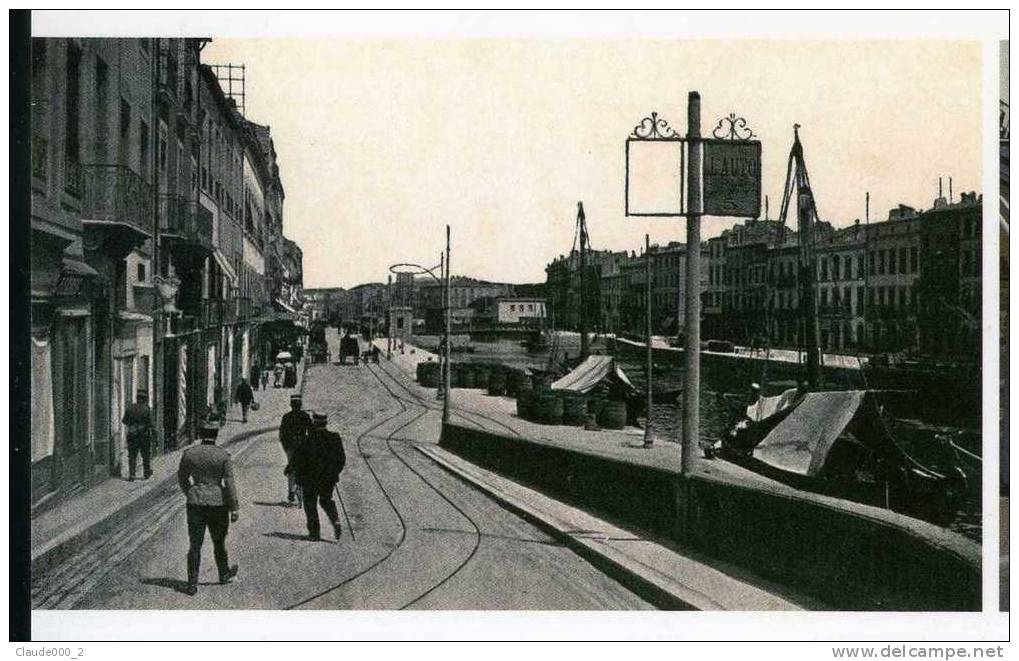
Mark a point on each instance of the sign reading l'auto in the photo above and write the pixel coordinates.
(732, 178)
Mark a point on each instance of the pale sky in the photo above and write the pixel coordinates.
(383, 142)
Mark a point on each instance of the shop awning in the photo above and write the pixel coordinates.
(78, 267)
(225, 265)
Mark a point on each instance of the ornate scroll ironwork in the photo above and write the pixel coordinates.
(732, 128)
(654, 128)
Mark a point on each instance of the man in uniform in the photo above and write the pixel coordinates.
(244, 397)
(318, 462)
(293, 430)
(138, 419)
(206, 478)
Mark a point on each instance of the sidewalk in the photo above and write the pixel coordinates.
(666, 577)
(72, 522)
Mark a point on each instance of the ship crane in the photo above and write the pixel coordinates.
(797, 183)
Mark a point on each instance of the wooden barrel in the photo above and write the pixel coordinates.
(613, 415)
(574, 408)
(428, 374)
(525, 405)
(548, 408)
(513, 377)
(595, 404)
(481, 372)
(467, 376)
(497, 380)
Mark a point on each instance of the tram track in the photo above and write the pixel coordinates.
(467, 517)
(385, 493)
(460, 413)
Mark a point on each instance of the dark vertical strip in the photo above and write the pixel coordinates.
(20, 619)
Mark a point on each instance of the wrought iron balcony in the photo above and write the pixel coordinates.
(185, 220)
(181, 324)
(115, 194)
(72, 177)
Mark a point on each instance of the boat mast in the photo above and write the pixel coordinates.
(585, 348)
(798, 181)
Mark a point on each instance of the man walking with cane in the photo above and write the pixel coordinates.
(206, 477)
(318, 462)
(293, 431)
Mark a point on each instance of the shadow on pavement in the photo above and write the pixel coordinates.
(297, 538)
(175, 584)
(279, 503)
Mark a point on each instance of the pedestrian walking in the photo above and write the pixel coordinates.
(277, 374)
(318, 462)
(294, 429)
(244, 397)
(265, 378)
(206, 477)
(138, 419)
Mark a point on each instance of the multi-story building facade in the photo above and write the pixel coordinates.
(563, 279)
(949, 294)
(463, 291)
(136, 171)
(323, 304)
(910, 283)
(842, 282)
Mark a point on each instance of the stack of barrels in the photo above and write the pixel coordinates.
(547, 407)
(428, 374)
(612, 415)
(496, 380)
(574, 408)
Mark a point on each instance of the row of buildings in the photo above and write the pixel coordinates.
(159, 268)
(909, 283)
(475, 304)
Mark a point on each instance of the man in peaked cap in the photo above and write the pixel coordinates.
(293, 431)
(318, 462)
(138, 422)
(206, 477)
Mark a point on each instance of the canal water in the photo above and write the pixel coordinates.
(723, 394)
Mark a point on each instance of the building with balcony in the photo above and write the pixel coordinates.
(139, 285)
(92, 223)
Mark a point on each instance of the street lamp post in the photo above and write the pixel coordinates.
(648, 438)
(443, 388)
(449, 339)
(692, 349)
(389, 317)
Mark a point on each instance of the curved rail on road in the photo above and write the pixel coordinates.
(460, 413)
(392, 505)
(465, 515)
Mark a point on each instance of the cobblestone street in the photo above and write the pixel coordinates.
(414, 536)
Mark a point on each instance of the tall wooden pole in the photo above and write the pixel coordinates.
(692, 312)
(585, 347)
(449, 338)
(648, 440)
(389, 317)
(442, 303)
(160, 320)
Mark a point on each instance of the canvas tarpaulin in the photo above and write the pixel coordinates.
(801, 443)
(765, 407)
(590, 373)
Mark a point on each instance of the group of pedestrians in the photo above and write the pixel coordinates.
(315, 458)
